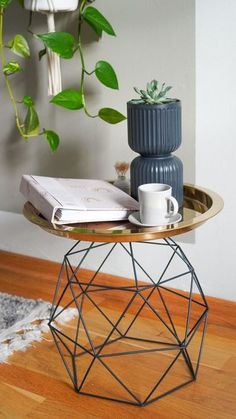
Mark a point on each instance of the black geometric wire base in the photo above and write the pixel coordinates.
(130, 345)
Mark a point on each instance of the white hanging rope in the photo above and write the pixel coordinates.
(54, 67)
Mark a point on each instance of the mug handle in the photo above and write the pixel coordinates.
(175, 206)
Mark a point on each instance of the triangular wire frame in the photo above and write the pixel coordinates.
(129, 392)
(85, 287)
(195, 332)
(60, 288)
(153, 289)
(112, 326)
(61, 346)
(83, 348)
(157, 391)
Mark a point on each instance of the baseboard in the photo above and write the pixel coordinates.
(17, 235)
(33, 277)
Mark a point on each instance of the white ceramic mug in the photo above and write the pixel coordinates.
(156, 203)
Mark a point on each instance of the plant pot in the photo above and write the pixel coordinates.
(51, 5)
(154, 131)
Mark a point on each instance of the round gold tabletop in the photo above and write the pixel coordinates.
(199, 205)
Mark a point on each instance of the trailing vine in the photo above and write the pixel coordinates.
(30, 126)
(66, 46)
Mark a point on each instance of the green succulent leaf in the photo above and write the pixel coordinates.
(144, 94)
(63, 43)
(111, 115)
(154, 85)
(137, 101)
(97, 21)
(4, 3)
(31, 123)
(170, 100)
(19, 46)
(106, 74)
(11, 68)
(52, 139)
(156, 96)
(166, 90)
(137, 91)
(69, 98)
(153, 94)
(149, 88)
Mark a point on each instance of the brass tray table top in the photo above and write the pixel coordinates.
(200, 204)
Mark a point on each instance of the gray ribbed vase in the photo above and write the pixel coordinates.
(154, 131)
(167, 170)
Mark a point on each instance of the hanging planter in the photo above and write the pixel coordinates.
(49, 7)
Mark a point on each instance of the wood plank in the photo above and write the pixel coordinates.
(16, 403)
(34, 384)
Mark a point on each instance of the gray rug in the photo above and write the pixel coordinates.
(22, 321)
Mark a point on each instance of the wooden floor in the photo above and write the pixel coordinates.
(35, 385)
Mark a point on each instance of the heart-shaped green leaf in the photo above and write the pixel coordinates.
(111, 115)
(31, 123)
(69, 99)
(63, 43)
(11, 68)
(106, 74)
(19, 46)
(52, 139)
(97, 21)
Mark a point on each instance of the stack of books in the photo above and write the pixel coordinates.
(67, 201)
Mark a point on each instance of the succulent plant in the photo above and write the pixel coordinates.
(155, 93)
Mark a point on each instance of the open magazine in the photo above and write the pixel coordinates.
(65, 201)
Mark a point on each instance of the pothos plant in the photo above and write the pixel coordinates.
(66, 46)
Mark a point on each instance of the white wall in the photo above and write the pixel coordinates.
(216, 138)
(214, 51)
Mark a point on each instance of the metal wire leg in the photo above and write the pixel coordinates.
(174, 349)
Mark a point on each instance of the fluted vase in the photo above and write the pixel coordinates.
(154, 131)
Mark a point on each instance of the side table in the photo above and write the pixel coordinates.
(161, 354)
